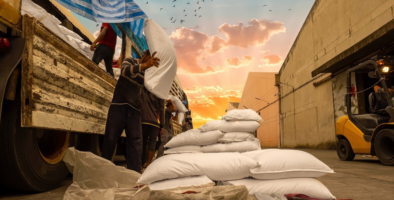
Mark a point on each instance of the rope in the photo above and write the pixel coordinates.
(367, 88)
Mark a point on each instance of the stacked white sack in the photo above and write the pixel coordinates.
(196, 170)
(286, 172)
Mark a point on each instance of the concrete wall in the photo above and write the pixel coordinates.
(262, 85)
(333, 26)
(339, 92)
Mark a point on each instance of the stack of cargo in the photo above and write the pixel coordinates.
(200, 159)
(232, 134)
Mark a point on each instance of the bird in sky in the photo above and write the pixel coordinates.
(289, 9)
(200, 15)
(188, 2)
(184, 10)
(182, 21)
(174, 1)
(264, 5)
(171, 18)
(147, 2)
(185, 15)
(97, 25)
(270, 10)
(199, 8)
(161, 8)
(174, 6)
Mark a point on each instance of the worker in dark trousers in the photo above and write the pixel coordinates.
(124, 113)
(104, 47)
(151, 108)
(167, 135)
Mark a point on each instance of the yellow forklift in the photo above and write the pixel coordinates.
(372, 133)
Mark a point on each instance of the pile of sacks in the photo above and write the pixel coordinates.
(263, 172)
(232, 134)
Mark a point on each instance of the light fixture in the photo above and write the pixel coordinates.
(385, 69)
(381, 62)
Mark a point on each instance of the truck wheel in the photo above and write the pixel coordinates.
(345, 151)
(30, 158)
(92, 143)
(384, 146)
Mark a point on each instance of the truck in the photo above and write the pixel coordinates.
(51, 98)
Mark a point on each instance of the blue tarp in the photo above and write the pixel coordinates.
(140, 42)
(109, 11)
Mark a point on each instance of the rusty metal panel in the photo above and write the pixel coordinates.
(61, 88)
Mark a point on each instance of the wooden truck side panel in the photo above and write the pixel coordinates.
(61, 88)
(10, 13)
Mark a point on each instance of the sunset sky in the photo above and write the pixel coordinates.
(217, 50)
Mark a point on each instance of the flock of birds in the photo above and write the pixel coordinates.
(195, 10)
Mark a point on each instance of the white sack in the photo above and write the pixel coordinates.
(252, 154)
(181, 117)
(69, 32)
(178, 104)
(233, 147)
(97, 178)
(230, 126)
(307, 186)
(223, 166)
(184, 149)
(182, 183)
(236, 137)
(158, 80)
(242, 115)
(288, 164)
(194, 137)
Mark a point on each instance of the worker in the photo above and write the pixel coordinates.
(104, 47)
(151, 108)
(167, 135)
(123, 113)
(381, 99)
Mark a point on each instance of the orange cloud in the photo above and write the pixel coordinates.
(257, 33)
(209, 102)
(240, 62)
(194, 46)
(272, 60)
(191, 47)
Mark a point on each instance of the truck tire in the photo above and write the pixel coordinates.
(345, 151)
(92, 143)
(384, 146)
(30, 158)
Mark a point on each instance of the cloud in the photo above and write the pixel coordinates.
(194, 46)
(211, 91)
(271, 60)
(257, 33)
(197, 27)
(240, 62)
(191, 47)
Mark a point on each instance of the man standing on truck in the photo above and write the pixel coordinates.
(151, 108)
(105, 45)
(124, 113)
(167, 135)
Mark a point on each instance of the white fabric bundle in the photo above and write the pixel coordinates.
(182, 183)
(236, 137)
(233, 147)
(194, 137)
(158, 80)
(178, 104)
(242, 115)
(252, 154)
(68, 32)
(230, 126)
(288, 164)
(307, 186)
(181, 117)
(184, 149)
(223, 166)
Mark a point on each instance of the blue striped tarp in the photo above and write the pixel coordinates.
(109, 11)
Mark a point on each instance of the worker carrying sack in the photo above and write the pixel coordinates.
(242, 115)
(158, 80)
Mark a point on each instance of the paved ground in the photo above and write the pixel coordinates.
(361, 179)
